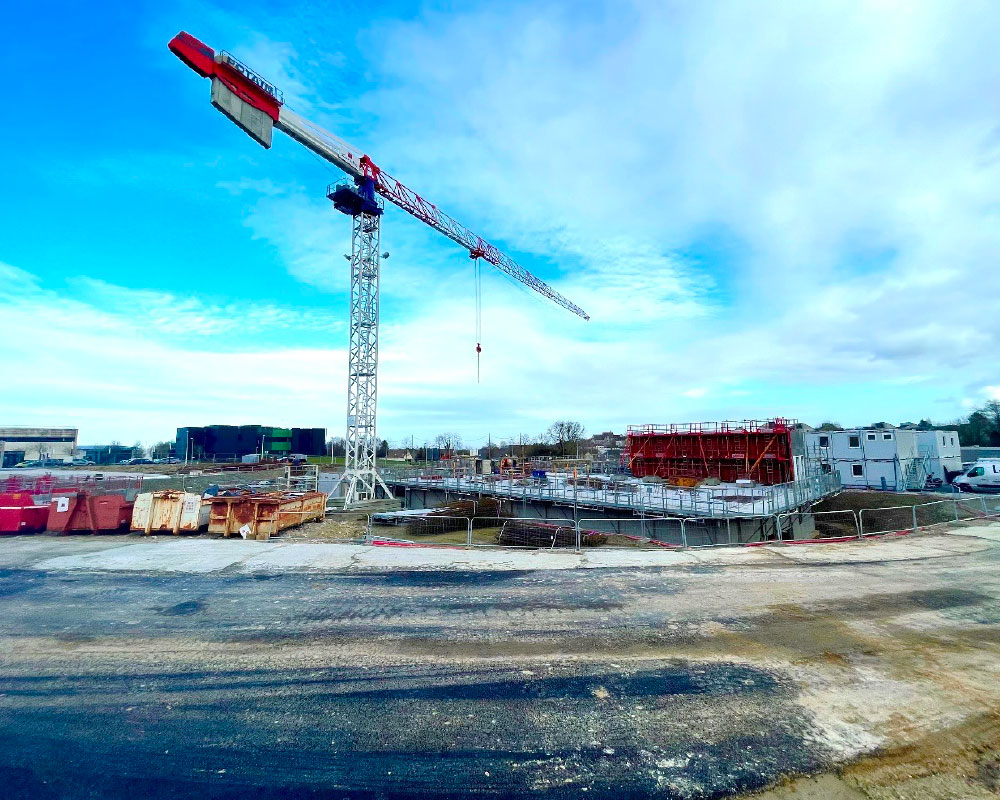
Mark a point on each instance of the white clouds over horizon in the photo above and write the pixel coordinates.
(767, 208)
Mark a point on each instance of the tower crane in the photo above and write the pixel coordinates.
(258, 107)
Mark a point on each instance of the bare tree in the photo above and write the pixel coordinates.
(448, 441)
(564, 434)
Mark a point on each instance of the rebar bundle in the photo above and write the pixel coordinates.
(527, 533)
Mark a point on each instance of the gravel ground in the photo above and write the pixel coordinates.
(879, 677)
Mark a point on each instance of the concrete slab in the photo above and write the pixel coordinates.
(23, 551)
(596, 558)
(460, 559)
(990, 532)
(176, 555)
(902, 549)
(738, 556)
(304, 555)
(196, 555)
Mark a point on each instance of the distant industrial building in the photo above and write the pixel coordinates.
(232, 442)
(32, 444)
(971, 455)
(897, 459)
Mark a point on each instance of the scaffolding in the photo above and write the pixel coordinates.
(757, 450)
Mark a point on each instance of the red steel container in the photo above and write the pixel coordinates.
(92, 513)
(19, 514)
(264, 514)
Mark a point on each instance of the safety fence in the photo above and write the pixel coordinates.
(273, 480)
(615, 492)
(556, 533)
(961, 509)
(658, 532)
(43, 487)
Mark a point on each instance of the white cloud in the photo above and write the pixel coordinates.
(130, 364)
(779, 209)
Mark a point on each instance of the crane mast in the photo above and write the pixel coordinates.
(257, 106)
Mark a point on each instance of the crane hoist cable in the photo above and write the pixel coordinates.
(477, 273)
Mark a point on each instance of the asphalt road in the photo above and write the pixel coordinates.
(694, 682)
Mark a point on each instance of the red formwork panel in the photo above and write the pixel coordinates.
(80, 512)
(730, 451)
(19, 514)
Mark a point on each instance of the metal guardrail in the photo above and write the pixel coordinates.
(653, 533)
(644, 498)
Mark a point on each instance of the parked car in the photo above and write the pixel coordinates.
(141, 461)
(54, 462)
(26, 464)
(82, 462)
(171, 460)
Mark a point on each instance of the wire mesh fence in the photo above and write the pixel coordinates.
(934, 513)
(439, 529)
(838, 525)
(647, 498)
(874, 521)
(44, 487)
(632, 532)
(991, 505)
(544, 534)
(524, 532)
(257, 481)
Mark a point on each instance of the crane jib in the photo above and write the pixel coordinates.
(254, 104)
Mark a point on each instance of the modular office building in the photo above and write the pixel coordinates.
(942, 453)
(876, 458)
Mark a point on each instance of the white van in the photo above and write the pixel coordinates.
(984, 476)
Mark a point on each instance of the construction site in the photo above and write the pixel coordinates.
(733, 483)
(698, 610)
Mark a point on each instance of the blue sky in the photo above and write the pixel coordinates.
(767, 209)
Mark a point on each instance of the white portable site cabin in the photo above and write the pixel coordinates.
(875, 458)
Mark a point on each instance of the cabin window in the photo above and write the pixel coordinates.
(952, 441)
(854, 441)
(886, 437)
(871, 436)
(975, 472)
(943, 442)
(824, 441)
(857, 470)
